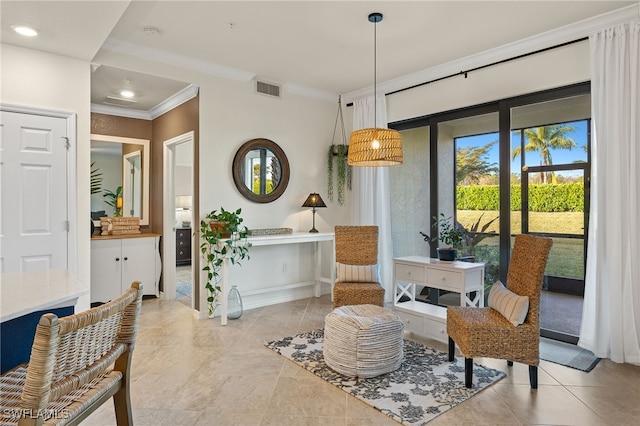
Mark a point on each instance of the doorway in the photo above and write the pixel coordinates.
(179, 220)
(551, 152)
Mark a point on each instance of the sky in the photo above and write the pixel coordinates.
(559, 156)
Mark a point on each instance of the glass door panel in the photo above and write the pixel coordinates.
(476, 208)
(550, 167)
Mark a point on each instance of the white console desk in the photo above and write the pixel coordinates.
(427, 319)
(280, 239)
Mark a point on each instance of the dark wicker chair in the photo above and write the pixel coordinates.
(357, 245)
(484, 332)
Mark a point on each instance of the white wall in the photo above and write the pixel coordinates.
(36, 79)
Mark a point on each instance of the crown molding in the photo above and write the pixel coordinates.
(181, 61)
(120, 112)
(189, 92)
(167, 105)
(534, 43)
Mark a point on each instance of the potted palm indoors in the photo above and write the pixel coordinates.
(222, 237)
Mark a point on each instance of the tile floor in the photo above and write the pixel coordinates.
(197, 372)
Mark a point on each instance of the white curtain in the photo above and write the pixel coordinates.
(371, 203)
(611, 314)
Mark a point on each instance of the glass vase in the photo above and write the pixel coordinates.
(234, 303)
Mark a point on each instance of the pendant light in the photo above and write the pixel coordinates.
(375, 147)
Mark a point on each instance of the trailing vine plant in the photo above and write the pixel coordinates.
(223, 236)
(340, 153)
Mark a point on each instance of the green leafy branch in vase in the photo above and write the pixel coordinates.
(114, 199)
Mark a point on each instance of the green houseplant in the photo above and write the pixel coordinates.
(223, 237)
(448, 233)
(339, 153)
(114, 199)
(343, 175)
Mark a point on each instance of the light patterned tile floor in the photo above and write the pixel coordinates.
(197, 372)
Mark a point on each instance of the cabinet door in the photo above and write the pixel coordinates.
(106, 270)
(139, 255)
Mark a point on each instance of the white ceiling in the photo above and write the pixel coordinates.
(324, 47)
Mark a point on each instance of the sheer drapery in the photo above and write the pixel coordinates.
(371, 203)
(611, 314)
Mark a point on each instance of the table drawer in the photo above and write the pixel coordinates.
(445, 279)
(436, 329)
(183, 234)
(411, 273)
(414, 323)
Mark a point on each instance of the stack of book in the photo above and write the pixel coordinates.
(120, 225)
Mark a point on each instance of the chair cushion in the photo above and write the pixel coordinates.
(512, 306)
(358, 273)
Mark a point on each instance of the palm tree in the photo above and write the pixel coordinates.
(544, 139)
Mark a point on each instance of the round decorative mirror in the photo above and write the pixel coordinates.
(261, 170)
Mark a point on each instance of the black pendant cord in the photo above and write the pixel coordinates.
(375, 74)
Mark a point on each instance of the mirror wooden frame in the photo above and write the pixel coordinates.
(146, 153)
(237, 170)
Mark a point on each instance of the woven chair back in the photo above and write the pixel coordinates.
(526, 270)
(357, 245)
(72, 351)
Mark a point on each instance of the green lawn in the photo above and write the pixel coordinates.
(557, 223)
(567, 255)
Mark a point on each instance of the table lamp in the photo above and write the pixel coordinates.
(314, 200)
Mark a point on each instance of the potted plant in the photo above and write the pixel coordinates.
(223, 237)
(114, 199)
(449, 234)
(339, 153)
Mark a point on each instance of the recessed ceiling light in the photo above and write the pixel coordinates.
(127, 94)
(24, 30)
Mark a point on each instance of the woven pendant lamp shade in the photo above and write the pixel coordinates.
(375, 147)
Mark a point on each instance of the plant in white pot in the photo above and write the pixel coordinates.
(450, 234)
(223, 237)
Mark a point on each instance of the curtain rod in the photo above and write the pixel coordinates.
(524, 55)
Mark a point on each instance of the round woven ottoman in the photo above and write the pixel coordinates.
(363, 340)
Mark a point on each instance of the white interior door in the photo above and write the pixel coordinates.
(33, 162)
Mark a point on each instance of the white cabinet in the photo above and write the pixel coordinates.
(117, 262)
(425, 319)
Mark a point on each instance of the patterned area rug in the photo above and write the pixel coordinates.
(425, 385)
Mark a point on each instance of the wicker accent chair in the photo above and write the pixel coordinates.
(484, 332)
(77, 363)
(357, 245)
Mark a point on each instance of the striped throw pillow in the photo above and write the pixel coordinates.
(358, 273)
(512, 306)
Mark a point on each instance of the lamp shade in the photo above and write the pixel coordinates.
(183, 202)
(314, 200)
(375, 147)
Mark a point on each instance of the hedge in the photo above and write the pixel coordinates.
(566, 197)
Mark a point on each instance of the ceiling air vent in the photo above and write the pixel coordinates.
(112, 100)
(268, 89)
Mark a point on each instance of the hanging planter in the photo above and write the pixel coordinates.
(338, 153)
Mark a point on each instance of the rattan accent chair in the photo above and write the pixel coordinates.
(77, 363)
(484, 332)
(357, 245)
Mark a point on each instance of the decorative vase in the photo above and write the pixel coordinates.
(234, 303)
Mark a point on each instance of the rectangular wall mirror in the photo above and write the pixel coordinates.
(123, 162)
